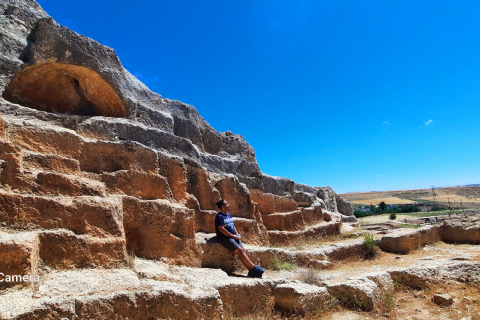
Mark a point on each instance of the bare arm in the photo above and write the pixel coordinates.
(228, 234)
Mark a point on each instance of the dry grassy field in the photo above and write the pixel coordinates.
(469, 197)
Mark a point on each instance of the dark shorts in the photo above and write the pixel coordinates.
(230, 243)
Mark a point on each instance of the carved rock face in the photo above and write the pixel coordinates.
(65, 88)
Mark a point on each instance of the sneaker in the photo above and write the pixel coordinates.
(253, 274)
(259, 270)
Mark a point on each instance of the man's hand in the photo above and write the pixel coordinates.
(236, 236)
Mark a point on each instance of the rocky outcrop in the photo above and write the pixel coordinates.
(405, 240)
(95, 168)
(462, 230)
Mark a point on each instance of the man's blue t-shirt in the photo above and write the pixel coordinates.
(224, 220)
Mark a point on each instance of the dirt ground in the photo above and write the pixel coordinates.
(401, 303)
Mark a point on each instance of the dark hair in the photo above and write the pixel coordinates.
(220, 204)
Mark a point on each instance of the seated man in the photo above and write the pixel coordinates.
(228, 237)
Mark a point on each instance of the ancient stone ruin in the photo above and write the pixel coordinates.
(96, 169)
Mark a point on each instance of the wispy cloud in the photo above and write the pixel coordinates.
(428, 122)
(386, 122)
(378, 175)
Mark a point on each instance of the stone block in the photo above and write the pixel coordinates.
(18, 257)
(43, 137)
(69, 185)
(175, 170)
(251, 231)
(205, 221)
(64, 249)
(299, 297)
(242, 296)
(199, 184)
(83, 215)
(214, 254)
(443, 299)
(404, 241)
(355, 292)
(284, 204)
(237, 195)
(103, 156)
(158, 228)
(288, 221)
(264, 200)
(462, 230)
(49, 162)
(140, 184)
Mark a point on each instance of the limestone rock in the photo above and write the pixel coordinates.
(403, 241)
(299, 297)
(65, 250)
(158, 228)
(97, 164)
(356, 292)
(344, 206)
(462, 230)
(18, 255)
(443, 299)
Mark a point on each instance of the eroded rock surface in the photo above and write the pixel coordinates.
(95, 169)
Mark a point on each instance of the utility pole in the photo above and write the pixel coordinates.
(449, 208)
(434, 195)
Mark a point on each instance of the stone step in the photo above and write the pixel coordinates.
(318, 231)
(60, 249)
(287, 221)
(43, 137)
(154, 290)
(63, 249)
(83, 215)
(251, 231)
(272, 203)
(405, 240)
(35, 161)
(69, 185)
(214, 255)
(462, 230)
(312, 215)
(18, 256)
(139, 184)
(300, 297)
(158, 229)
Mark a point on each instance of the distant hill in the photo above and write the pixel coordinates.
(467, 196)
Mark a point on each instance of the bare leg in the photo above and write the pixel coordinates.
(244, 258)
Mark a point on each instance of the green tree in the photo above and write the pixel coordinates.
(382, 205)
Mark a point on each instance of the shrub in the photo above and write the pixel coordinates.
(393, 216)
(437, 208)
(369, 243)
(309, 276)
(280, 264)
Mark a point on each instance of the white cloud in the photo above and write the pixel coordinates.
(378, 175)
(386, 122)
(428, 122)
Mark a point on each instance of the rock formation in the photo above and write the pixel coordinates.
(93, 160)
(95, 168)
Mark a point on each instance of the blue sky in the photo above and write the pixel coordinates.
(357, 95)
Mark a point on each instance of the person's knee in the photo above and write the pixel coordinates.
(240, 251)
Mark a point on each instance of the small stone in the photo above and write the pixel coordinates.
(443, 299)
